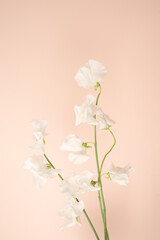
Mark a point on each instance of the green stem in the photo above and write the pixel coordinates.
(101, 188)
(109, 150)
(53, 167)
(100, 90)
(84, 211)
(100, 203)
(91, 142)
(100, 193)
(91, 224)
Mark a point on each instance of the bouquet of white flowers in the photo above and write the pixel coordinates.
(42, 168)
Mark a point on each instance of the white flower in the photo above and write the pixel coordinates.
(40, 170)
(119, 175)
(39, 145)
(104, 120)
(72, 143)
(77, 151)
(71, 212)
(91, 74)
(39, 134)
(39, 127)
(78, 184)
(78, 158)
(86, 112)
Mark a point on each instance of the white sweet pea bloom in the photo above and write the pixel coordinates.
(40, 170)
(104, 120)
(78, 184)
(39, 134)
(119, 175)
(86, 112)
(72, 143)
(77, 151)
(71, 212)
(38, 145)
(91, 74)
(39, 126)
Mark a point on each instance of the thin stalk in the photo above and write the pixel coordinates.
(59, 175)
(101, 188)
(100, 203)
(91, 224)
(91, 142)
(100, 193)
(84, 211)
(109, 150)
(100, 90)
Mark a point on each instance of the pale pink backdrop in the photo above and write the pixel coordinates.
(42, 45)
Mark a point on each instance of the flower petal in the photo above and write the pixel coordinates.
(78, 158)
(119, 175)
(90, 74)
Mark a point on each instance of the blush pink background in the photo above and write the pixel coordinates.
(42, 45)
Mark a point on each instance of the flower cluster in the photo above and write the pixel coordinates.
(36, 163)
(89, 75)
(74, 186)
